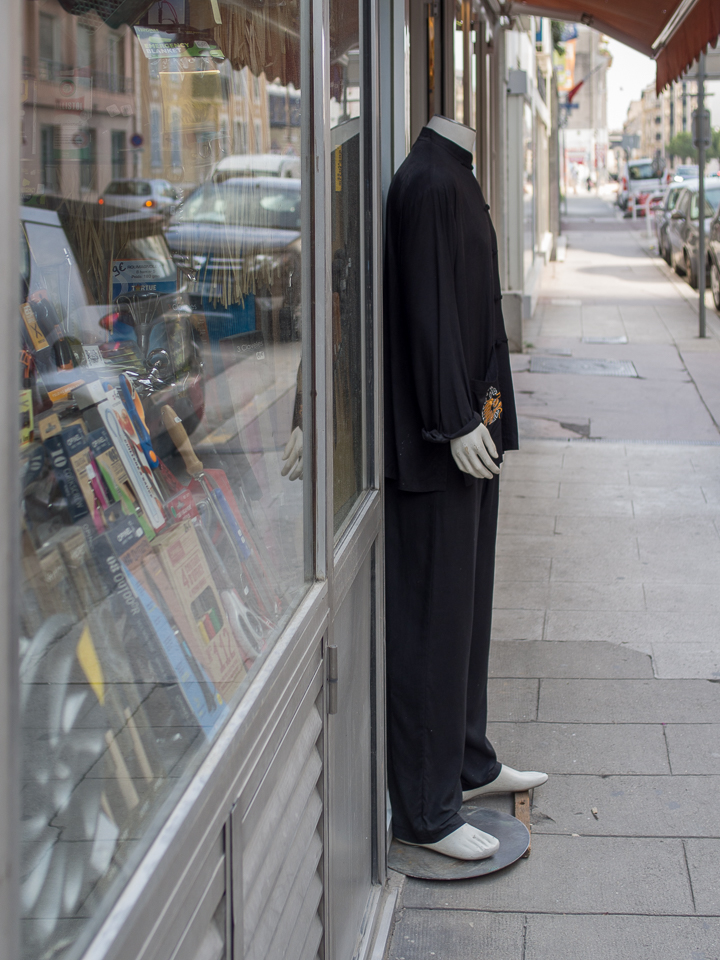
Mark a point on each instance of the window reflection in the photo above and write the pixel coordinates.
(161, 445)
(347, 258)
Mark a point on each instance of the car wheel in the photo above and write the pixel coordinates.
(715, 285)
(667, 251)
(689, 272)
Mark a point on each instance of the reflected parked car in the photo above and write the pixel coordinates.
(686, 171)
(682, 229)
(256, 165)
(103, 289)
(662, 220)
(160, 196)
(239, 244)
(714, 258)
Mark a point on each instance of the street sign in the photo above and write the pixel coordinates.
(136, 140)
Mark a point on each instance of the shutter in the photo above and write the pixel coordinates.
(280, 837)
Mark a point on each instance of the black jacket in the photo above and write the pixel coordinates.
(446, 353)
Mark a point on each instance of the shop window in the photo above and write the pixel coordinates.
(347, 259)
(162, 520)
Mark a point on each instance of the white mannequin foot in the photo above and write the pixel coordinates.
(465, 843)
(508, 781)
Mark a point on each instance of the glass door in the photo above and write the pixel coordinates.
(352, 730)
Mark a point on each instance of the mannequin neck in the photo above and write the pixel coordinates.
(452, 130)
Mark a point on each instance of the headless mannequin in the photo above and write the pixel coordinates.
(473, 453)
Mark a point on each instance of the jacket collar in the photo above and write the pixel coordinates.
(461, 155)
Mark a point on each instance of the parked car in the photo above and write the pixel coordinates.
(103, 288)
(256, 165)
(159, 196)
(713, 244)
(662, 220)
(682, 229)
(239, 244)
(639, 176)
(686, 171)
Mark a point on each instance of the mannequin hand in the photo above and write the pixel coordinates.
(293, 454)
(473, 453)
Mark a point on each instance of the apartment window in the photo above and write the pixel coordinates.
(87, 162)
(176, 138)
(155, 138)
(256, 89)
(48, 163)
(118, 152)
(47, 45)
(116, 61)
(85, 44)
(241, 136)
(258, 137)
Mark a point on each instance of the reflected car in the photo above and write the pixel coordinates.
(103, 288)
(159, 196)
(256, 165)
(713, 244)
(682, 231)
(662, 220)
(238, 243)
(686, 171)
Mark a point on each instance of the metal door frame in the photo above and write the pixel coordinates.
(9, 487)
(362, 533)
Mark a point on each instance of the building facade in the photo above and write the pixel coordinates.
(192, 746)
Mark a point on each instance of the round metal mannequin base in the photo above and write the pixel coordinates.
(427, 865)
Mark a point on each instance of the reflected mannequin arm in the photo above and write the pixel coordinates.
(474, 453)
(293, 456)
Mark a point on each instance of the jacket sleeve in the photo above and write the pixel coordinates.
(426, 264)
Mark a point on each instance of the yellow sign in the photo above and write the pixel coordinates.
(33, 328)
(88, 658)
(338, 169)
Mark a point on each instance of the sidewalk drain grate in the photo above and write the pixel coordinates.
(583, 366)
(604, 340)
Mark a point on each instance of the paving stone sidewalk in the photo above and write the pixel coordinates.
(606, 655)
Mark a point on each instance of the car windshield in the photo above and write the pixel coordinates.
(642, 171)
(247, 204)
(687, 172)
(128, 188)
(49, 269)
(712, 199)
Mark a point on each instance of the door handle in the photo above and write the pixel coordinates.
(332, 679)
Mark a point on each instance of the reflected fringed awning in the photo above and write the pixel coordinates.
(673, 32)
(264, 35)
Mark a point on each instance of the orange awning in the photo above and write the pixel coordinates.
(673, 32)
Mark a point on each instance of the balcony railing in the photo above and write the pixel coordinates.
(54, 71)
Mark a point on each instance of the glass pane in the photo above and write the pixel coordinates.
(160, 320)
(347, 257)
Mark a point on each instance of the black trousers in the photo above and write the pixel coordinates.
(440, 561)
